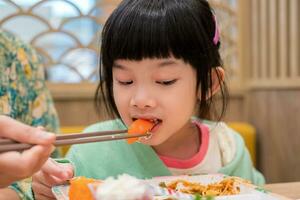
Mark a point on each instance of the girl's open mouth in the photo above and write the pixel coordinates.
(156, 123)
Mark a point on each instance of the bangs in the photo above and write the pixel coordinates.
(155, 29)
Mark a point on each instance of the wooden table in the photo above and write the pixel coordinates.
(290, 190)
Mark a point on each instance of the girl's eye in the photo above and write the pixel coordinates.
(170, 82)
(125, 82)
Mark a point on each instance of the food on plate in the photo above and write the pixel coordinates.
(79, 188)
(125, 187)
(186, 187)
(140, 126)
(227, 186)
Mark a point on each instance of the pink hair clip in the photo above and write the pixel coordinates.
(217, 32)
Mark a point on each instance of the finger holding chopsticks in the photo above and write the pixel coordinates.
(75, 138)
(29, 161)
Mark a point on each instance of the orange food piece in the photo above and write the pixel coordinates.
(140, 126)
(79, 188)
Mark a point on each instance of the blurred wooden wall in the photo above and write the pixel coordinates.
(271, 67)
(74, 103)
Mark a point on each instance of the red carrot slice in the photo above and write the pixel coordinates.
(140, 126)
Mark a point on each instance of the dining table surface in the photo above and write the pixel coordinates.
(289, 190)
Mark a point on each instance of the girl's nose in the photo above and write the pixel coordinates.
(142, 99)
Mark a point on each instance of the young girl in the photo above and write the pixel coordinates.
(160, 62)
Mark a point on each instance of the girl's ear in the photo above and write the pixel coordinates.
(217, 77)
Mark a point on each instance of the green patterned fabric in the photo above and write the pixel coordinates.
(23, 92)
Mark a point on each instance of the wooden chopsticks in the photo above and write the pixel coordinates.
(73, 135)
(73, 138)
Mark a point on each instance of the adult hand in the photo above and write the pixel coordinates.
(19, 165)
(52, 173)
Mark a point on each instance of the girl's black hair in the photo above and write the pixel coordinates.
(139, 29)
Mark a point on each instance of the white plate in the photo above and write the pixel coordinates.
(247, 191)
